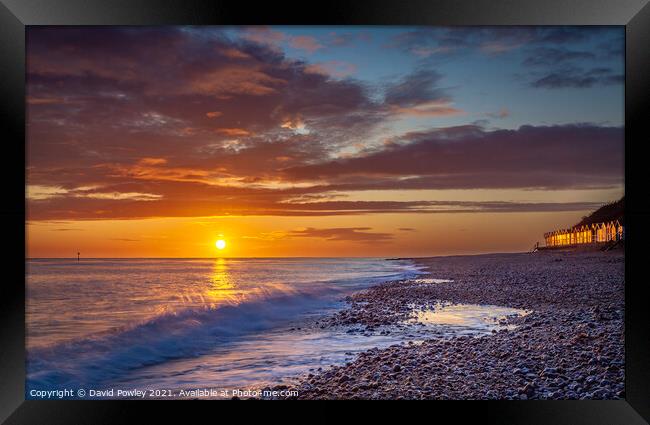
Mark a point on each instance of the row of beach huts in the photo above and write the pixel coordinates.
(586, 234)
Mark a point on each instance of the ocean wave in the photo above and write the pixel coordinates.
(95, 359)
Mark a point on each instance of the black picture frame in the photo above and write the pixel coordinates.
(15, 15)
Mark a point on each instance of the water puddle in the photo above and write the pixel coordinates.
(466, 318)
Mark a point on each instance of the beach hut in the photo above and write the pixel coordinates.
(583, 234)
(620, 231)
(601, 232)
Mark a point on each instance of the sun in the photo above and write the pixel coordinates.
(220, 244)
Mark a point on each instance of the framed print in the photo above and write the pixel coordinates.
(431, 201)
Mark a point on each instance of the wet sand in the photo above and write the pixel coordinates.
(570, 346)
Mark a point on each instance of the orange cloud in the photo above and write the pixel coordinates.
(44, 100)
(263, 35)
(236, 80)
(41, 192)
(296, 124)
(152, 161)
(149, 169)
(335, 69)
(234, 132)
(116, 196)
(213, 114)
(233, 53)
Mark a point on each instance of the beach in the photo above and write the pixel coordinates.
(547, 324)
(568, 345)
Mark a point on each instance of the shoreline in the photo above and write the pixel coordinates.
(571, 345)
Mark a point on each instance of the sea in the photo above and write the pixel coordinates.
(193, 328)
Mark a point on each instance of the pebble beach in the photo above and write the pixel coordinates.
(569, 345)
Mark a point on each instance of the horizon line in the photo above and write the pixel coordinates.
(385, 257)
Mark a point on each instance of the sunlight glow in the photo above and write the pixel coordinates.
(222, 289)
(220, 244)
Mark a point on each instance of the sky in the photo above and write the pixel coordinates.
(318, 141)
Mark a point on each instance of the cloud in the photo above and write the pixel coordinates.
(336, 69)
(234, 127)
(233, 132)
(273, 38)
(450, 206)
(44, 100)
(236, 80)
(562, 67)
(341, 39)
(613, 48)
(578, 78)
(305, 42)
(354, 234)
(243, 202)
(415, 89)
(263, 35)
(234, 53)
(42, 193)
(419, 94)
(118, 196)
(555, 55)
(428, 109)
(452, 158)
(490, 40)
(498, 47)
(500, 114)
(471, 157)
(428, 51)
(267, 236)
(116, 99)
(152, 161)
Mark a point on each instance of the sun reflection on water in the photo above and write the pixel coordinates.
(222, 288)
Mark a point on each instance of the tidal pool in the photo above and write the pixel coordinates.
(465, 318)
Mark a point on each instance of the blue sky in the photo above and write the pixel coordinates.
(480, 82)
